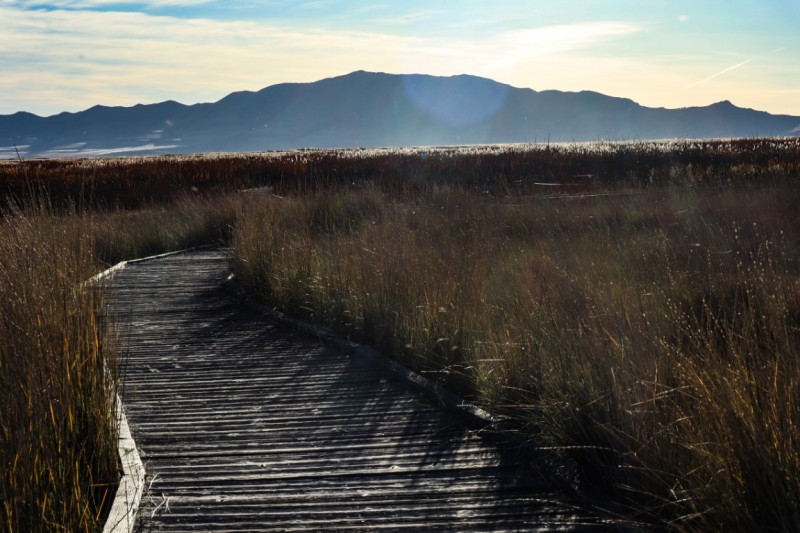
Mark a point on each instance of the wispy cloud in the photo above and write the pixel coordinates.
(720, 73)
(551, 39)
(69, 60)
(71, 54)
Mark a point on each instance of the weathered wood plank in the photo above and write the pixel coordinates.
(247, 424)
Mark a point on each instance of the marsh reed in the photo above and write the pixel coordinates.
(650, 339)
(58, 448)
(633, 308)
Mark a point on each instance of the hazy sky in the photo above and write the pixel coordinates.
(67, 55)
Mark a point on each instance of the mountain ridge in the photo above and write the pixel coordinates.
(365, 109)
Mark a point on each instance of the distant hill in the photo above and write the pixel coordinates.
(374, 109)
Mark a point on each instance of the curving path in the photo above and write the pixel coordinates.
(246, 424)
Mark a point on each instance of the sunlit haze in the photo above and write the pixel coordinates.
(68, 55)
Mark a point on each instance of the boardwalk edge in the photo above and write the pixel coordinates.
(447, 398)
(122, 516)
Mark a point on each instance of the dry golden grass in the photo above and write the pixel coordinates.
(651, 338)
(189, 222)
(58, 451)
(58, 447)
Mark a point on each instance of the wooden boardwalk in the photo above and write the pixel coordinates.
(246, 424)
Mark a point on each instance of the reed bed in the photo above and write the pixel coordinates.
(633, 307)
(650, 338)
(58, 364)
(58, 451)
(188, 222)
(136, 182)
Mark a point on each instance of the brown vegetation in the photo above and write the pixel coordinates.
(58, 462)
(58, 366)
(639, 314)
(505, 169)
(651, 338)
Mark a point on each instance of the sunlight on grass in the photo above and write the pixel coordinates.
(58, 452)
(652, 338)
(633, 308)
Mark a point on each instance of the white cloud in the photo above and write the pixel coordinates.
(69, 60)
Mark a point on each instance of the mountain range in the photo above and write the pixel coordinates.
(366, 109)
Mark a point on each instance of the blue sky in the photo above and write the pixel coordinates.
(67, 55)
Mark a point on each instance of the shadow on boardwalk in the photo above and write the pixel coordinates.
(246, 424)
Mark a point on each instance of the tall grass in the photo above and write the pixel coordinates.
(646, 328)
(188, 222)
(58, 460)
(58, 451)
(652, 338)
